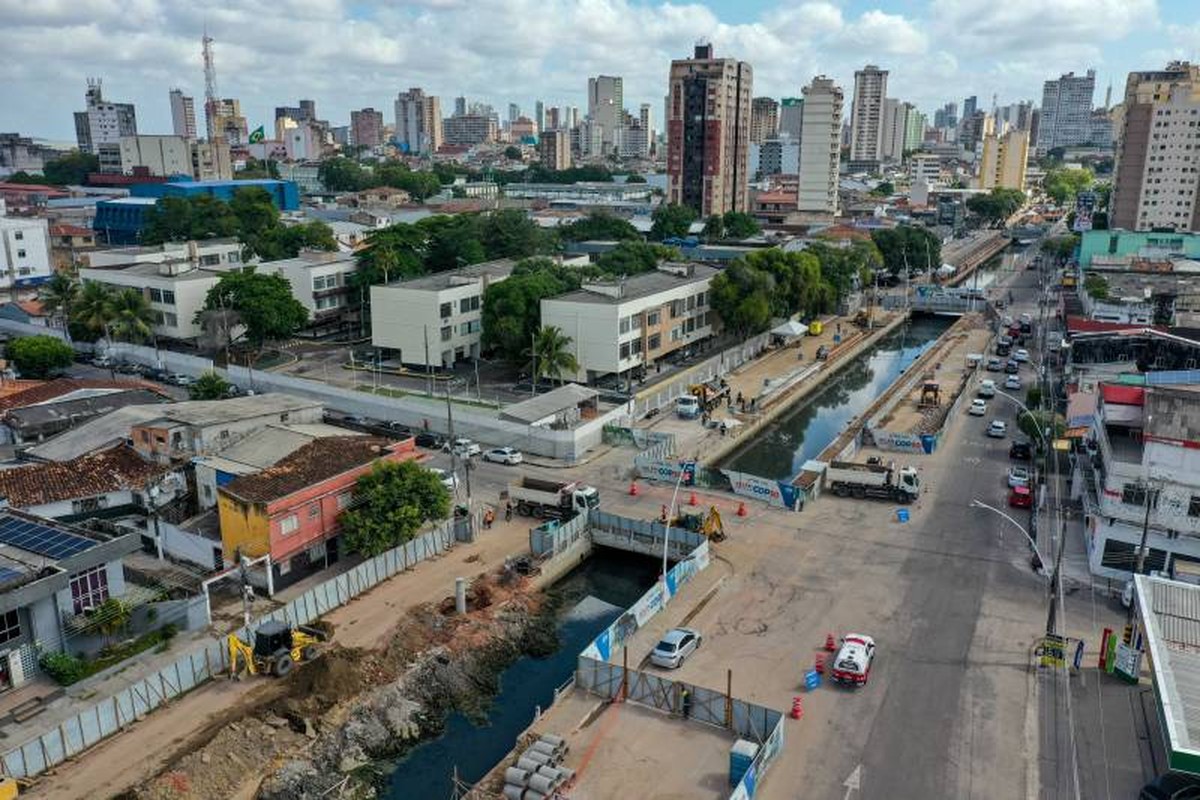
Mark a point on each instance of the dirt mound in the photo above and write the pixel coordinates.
(333, 677)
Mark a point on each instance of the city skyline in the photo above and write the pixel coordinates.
(344, 58)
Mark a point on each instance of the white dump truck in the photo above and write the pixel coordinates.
(847, 479)
(534, 497)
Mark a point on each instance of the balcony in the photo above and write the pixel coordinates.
(1122, 452)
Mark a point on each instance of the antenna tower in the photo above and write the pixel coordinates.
(210, 87)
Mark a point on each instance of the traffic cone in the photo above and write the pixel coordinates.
(692, 501)
(797, 707)
(633, 489)
(742, 512)
(829, 643)
(819, 664)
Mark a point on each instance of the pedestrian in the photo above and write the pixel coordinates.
(508, 511)
(489, 517)
(686, 703)
(723, 428)
(662, 515)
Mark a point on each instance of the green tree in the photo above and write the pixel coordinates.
(739, 225)
(178, 219)
(419, 184)
(633, 258)
(1096, 286)
(131, 318)
(512, 308)
(599, 226)
(510, 233)
(552, 354)
(714, 228)
(1041, 424)
(91, 311)
(209, 386)
(452, 242)
(1033, 397)
(1060, 247)
(997, 205)
(1062, 184)
(342, 175)
(39, 356)
(390, 254)
(671, 221)
(512, 153)
(741, 295)
(264, 302)
(110, 618)
(391, 503)
(71, 169)
(907, 245)
(57, 296)
(884, 189)
(634, 177)
(846, 268)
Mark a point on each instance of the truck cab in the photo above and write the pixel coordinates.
(584, 499)
(687, 406)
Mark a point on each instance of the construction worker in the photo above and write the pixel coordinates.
(662, 516)
(489, 517)
(508, 510)
(685, 703)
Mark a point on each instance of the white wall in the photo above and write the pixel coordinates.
(401, 316)
(24, 250)
(190, 291)
(161, 155)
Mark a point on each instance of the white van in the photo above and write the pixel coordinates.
(987, 388)
(687, 406)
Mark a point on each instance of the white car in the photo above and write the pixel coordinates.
(504, 455)
(1012, 382)
(978, 408)
(676, 645)
(997, 429)
(853, 662)
(448, 478)
(1022, 355)
(463, 448)
(1018, 476)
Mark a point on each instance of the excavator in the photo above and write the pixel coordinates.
(694, 518)
(277, 648)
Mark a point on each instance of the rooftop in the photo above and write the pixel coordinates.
(151, 269)
(68, 388)
(270, 445)
(31, 547)
(70, 230)
(548, 404)
(202, 413)
(1170, 614)
(307, 259)
(86, 403)
(95, 474)
(644, 285)
(97, 434)
(316, 461)
(500, 268)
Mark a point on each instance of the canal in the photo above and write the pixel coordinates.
(780, 450)
(590, 597)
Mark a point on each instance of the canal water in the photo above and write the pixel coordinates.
(780, 450)
(592, 596)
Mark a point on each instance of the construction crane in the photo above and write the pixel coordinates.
(277, 648)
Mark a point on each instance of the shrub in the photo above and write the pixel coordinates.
(64, 668)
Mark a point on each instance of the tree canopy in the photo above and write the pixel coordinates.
(391, 503)
(884, 189)
(907, 244)
(1062, 184)
(670, 220)
(634, 177)
(39, 356)
(209, 386)
(632, 258)
(343, 174)
(70, 169)
(599, 226)
(512, 307)
(1060, 247)
(552, 354)
(263, 301)
(773, 283)
(997, 205)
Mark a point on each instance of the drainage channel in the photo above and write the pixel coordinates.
(590, 597)
(780, 450)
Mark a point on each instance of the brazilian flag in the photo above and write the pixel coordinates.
(257, 135)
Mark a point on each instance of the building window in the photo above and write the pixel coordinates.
(468, 304)
(474, 326)
(652, 317)
(701, 299)
(155, 295)
(343, 500)
(655, 341)
(447, 332)
(88, 504)
(1194, 506)
(1134, 494)
(289, 524)
(170, 320)
(19, 235)
(624, 350)
(624, 325)
(168, 297)
(314, 511)
(20, 254)
(447, 310)
(89, 588)
(636, 346)
(10, 626)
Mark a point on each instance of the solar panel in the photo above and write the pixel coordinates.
(9, 575)
(41, 539)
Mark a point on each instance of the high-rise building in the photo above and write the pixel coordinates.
(970, 106)
(820, 147)
(469, 129)
(1100, 131)
(183, 114)
(791, 112)
(1156, 182)
(647, 122)
(514, 112)
(895, 129)
(866, 118)
(305, 112)
(1066, 118)
(539, 115)
(366, 128)
(228, 122)
(606, 105)
(103, 122)
(460, 106)
(946, 117)
(554, 148)
(764, 119)
(419, 122)
(974, 128)
(708, 132)
(914, 132)
(1002, 160)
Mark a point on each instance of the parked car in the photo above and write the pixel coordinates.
(397, 428)
(448, 478)
(674, 648)
(853, 662)
(129, 368)
(1020, 451)
(1020, 497)
(429, 440)
(997, 429)
(1171, 786)
(463, 448)
(1017, 476)
(978, 408)
(1021, 355)
(504, 455)
(1012, 382)
(179, 379)
(104, 362)
(994, 364)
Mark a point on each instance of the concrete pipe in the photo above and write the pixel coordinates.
(566, 773)
(538, 758)
(552, 773)
(546, 749)
(517, 776)
(550, 738)
(530, 794)
(540, 783)
(528, 764)
(513, 792)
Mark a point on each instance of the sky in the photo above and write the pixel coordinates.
(350, 54)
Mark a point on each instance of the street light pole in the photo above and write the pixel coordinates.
(667, 525)
(1019, 526)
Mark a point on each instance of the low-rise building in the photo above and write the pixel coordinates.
(31, 416)
(24, 252)
(584, 192)
(214, 254)
(1114, 247)
(284, 194)
(378, 197)
(51, 573)
(434, 319)
(176, 291)
(632, 323)
(67, 243)
(291, 510)
(320, 281)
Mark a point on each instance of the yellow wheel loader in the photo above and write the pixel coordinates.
(277, 648)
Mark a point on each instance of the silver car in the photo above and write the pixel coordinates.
(676, 645)
(503, 455)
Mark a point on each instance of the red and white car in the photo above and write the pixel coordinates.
(853, 662)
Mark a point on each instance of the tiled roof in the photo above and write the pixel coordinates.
(49, 390)
(33, 308)
(1076, 324)
(98, 473)
(70, 230)
(317, 461)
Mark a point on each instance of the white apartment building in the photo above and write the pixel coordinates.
(183, 115)
(103, 122)
(212, 254)
(895, 129)
(176, 291)
(606, 107)
(866, 116)
(1146, 449)
(320, 281)
(435, 319)
(419, 125)
(161, 155)
(820, 146)
(1066, 112)
(1002, 161)
(24, 251)
(926, 167)
(631, 323)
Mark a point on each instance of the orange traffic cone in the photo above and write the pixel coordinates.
(742, 512)
(692, 501)
(819, 665)
(829, 643)
(797, 707)
(633, 489)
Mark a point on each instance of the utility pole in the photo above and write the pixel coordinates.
(428, 366)
(533, 367)
(453, 454)
(1151, 497)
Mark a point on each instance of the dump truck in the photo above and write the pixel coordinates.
(847, 479)
(535, 497)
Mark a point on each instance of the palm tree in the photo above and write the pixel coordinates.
(132, 317)
(58, 295)
(552, 355)
(92, 308)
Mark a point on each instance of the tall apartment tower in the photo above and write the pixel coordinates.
(1066, 118)
(366, 127)
(183, 115)
(1002, 160)
(895, 128)
(646, 120)
(791, 112)
(606, 104)
(419, 121)
(1157, 184)
(103, 122)
(764, 119)
(820, 147)
(554, 148)
(539, 115)
(708, 132)
(866, 118)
